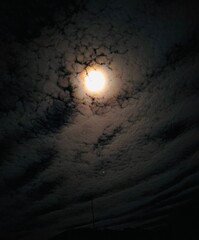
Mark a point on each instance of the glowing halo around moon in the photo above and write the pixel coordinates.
(94, 81)
(98, 82)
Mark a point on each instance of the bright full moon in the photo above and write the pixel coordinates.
(94, 81)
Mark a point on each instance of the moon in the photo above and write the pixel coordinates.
(94, 81)
(97, 82)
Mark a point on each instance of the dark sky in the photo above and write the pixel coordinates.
(133, 151)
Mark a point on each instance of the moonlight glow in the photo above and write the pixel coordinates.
(94, 81)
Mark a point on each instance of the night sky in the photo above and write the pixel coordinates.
(125, 159)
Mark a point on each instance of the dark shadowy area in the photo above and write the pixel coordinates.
(23, 20)
(183, 224)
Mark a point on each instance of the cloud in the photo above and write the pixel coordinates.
(134, 151)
